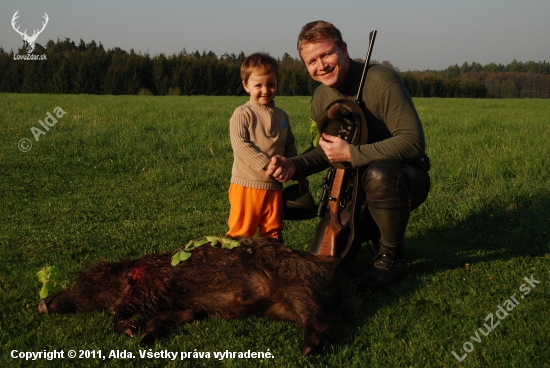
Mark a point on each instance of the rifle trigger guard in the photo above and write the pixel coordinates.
(343, 202)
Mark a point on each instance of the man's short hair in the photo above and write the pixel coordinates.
(317, 31)
(260, 63)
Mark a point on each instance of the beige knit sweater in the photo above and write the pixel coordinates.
(258, 132)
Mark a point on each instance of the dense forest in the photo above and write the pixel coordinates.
(68, 67)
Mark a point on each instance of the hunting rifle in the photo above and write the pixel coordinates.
(340, 187)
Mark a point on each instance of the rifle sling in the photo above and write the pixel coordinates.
(351, 207)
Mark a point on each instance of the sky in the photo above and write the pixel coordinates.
(412, 35)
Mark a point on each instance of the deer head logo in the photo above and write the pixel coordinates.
(29, 40)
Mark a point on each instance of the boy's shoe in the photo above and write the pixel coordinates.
(276, 240)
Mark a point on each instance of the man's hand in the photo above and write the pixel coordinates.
(336, 148)
(281, 168)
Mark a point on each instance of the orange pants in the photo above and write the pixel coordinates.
(253, 209)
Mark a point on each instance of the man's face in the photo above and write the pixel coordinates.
(326, 62)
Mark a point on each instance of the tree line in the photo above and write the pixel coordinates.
(514, 80)
(90, 68)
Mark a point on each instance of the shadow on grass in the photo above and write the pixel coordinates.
(489, 235)
(492, 234)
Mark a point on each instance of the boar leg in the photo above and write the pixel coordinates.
(158, 323)
(317, 333)
(122, 321)
(145, 286)
(316, 337)
(129, 306)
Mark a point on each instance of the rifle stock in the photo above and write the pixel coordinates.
(328, 246)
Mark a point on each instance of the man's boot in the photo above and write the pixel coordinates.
(389, 267)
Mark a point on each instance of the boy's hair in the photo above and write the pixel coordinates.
(261, 63)
(317, 31)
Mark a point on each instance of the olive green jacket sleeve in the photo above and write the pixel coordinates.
(310, 163)
(395, 130)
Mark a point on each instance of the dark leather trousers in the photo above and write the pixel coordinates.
(389, 184)
(392, 183)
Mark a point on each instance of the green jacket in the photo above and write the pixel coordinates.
(394, 128)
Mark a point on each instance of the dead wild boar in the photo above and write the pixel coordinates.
(257, 278)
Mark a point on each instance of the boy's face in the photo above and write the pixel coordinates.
(326, 62)
(261, 87)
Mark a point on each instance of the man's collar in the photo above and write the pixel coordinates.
(351, 83)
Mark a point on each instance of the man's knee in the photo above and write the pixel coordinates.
(383, 172)
(386, 184)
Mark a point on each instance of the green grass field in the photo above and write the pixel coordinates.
(126, 176)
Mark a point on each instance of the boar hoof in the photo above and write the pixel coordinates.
(306, 350)
(126, 327)
(315, 344)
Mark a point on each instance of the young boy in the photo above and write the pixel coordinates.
(258, 131)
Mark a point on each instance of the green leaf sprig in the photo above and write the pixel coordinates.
(52, 279)
(315, 135)
(184, 253)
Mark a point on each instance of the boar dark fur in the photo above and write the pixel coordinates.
(258, 278)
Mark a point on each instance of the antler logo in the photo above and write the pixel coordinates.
(29, 40)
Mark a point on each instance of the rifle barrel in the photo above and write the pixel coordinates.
(372, 37)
